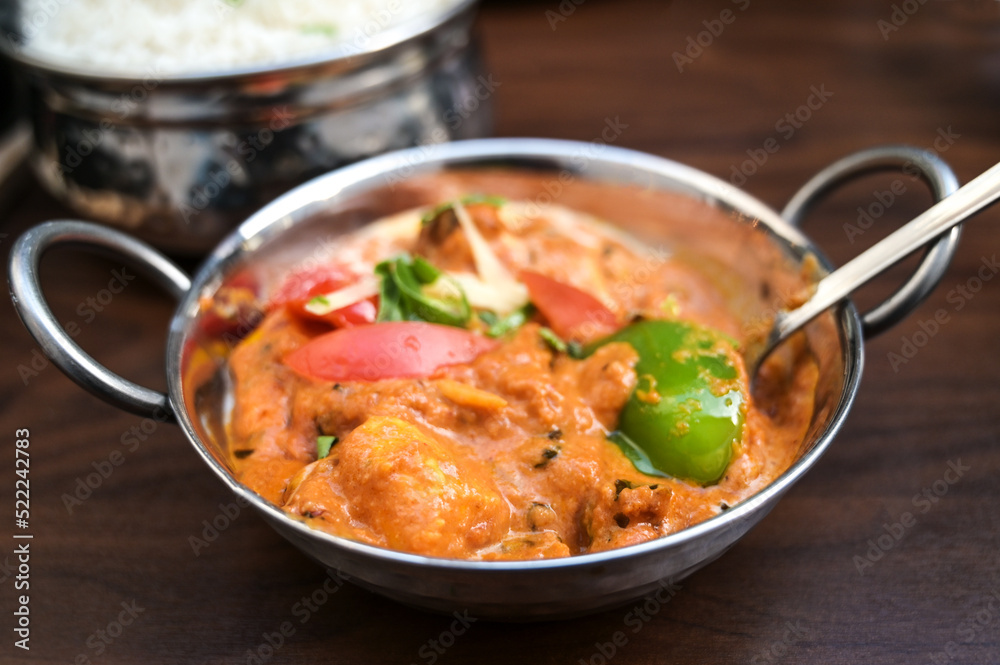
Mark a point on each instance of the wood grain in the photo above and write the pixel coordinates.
(791, 591)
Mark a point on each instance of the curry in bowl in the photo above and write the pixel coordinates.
(494, 379)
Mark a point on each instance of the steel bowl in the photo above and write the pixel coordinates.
(179, 160)
(755, 251)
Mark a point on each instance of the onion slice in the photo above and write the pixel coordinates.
(495, 289)
(366, 287)
(501, 298)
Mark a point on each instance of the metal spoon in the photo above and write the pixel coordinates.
(953, 210)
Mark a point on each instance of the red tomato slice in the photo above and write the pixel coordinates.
(398, 349)
(303, 285)
(571, 313)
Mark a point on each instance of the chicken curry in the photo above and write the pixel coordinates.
(490, 380)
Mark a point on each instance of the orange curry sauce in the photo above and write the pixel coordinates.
(505, 457)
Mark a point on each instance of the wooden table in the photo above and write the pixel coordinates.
(836, 574)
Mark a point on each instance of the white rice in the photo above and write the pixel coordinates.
(164, 37)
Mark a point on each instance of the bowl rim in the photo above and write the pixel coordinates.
(382, 41)
(298, 204)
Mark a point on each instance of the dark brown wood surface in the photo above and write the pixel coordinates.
(836, 573)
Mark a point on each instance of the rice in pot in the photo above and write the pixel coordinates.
(164, 37)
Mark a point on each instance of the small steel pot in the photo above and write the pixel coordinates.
(665, 204)
(179, 160)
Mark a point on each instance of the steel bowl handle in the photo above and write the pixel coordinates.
(942, 182)
(30, 304)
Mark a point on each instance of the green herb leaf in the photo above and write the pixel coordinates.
(323, 445)
(424, 271)
(414, 290)
(390, 299)
(640, 460)
(498, 327)
(553, 340)
(319, 301)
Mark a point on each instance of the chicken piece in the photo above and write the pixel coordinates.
(403, 488)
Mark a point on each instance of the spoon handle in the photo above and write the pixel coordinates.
(965, 202)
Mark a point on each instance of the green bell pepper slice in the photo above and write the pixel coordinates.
(689, 408)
